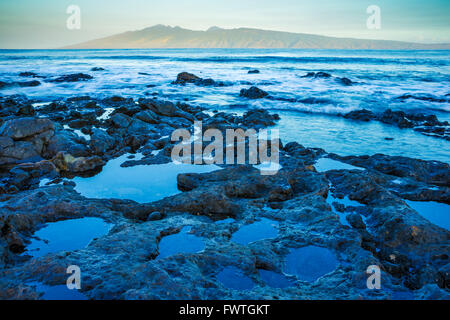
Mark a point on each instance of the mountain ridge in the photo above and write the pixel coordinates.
(161, 36)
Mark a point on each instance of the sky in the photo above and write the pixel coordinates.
(42, 23)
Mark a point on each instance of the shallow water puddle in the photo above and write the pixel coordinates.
(225, 221)
(234, 278)
(435, 212)
(275, 280)
(326, 164)
(181, 242)
(346, 202)
(59, 292)
(263, 229)
(141, 183)
(310, 263)
(67, 235)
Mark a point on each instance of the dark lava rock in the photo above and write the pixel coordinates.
(30, 74)
(154, 216)
(362, 115)
(24, 138)
(65, 140)
(33, 83)
(355, 221)
(398, 118)
(345, 81)
(186, 77)
(101, 142)
(147, 116)
(430, 172)
(253, 93)
(319, 74)
(79, 98)
(163, 108)
(428, 98)
(97, 69)
(66, 162)
(425, 124)
(259, 117)
(25, 127)
(253, 71)
(73, 78)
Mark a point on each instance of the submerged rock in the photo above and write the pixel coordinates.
(33, 83)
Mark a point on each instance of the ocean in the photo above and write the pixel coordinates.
(379, 79)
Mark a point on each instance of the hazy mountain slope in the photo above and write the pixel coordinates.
(175, 37)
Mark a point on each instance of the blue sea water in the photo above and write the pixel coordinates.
(380, 77)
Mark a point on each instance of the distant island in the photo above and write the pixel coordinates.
(160, 36)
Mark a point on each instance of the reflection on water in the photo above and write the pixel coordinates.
(59, 292)
(275, 280)
(346, 202)
(67, 235)
(141, 183)
(234, 278)
(310, 263)
(182, 242)
(263, 229)
(435, 212)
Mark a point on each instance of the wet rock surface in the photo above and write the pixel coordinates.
(253, 93)
(425, 124)
(72, 78)
(281, 215)
(185, 77)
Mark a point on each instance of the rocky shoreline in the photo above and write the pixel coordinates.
(303, 206)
